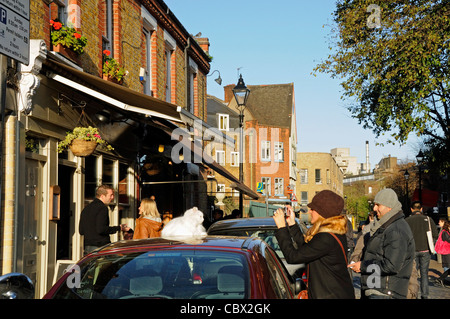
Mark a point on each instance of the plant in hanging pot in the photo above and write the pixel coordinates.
(83, 141)
(67, 37)
(112, 70)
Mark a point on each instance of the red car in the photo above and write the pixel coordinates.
(214, 267)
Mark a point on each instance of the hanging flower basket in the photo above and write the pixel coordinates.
(80, 147)
(83, 141)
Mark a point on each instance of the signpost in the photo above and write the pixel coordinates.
(15, 29)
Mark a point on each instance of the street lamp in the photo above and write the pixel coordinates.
(406, 176)
(420, 158)
(241, 93)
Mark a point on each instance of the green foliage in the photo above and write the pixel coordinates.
(112, 68)
(86, 133)
(396, 74)
(67, 37)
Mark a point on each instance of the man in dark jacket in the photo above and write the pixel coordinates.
(420, 225)
(388, 255)
(94, 220)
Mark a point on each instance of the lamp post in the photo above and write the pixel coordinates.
(419, 158)
(406, 176)
(241, 93)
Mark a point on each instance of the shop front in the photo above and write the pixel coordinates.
(45, 191)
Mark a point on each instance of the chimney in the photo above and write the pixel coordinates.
(367, 157)
(228, 92)
(204, 44)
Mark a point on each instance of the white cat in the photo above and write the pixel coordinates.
(190, 224)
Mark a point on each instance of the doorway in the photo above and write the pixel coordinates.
(65, 227)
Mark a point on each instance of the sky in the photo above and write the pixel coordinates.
(278, 42)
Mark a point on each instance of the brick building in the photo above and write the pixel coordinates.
(163, 93)
(317, 172)
(270, 139)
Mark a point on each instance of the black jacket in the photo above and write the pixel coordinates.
(419, 227)
(388, 258)
(328, 275)
(94, 224)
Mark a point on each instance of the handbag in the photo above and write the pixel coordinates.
(304, 293)
(430, 238)
(442, 247)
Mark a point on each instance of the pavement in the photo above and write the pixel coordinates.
(436, 291)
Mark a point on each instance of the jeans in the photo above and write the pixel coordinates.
(423, 264)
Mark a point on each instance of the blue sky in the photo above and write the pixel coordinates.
(274, 42)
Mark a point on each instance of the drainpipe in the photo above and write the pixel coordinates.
(3, 66)
(187, 74)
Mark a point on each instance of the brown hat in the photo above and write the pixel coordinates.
(327, 204)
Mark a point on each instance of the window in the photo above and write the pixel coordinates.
(318, 178)
(168, 60)
(265, 150)
(148, 67)
(304, 198)
(107, 37)
(223, 122)
(279, 186)
(303, 176)
(266, 185)
(328, 177)
(220, 157)
(234, 159)
(279, 152)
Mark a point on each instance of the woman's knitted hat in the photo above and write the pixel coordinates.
(327, 204)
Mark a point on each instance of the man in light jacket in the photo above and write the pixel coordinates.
(388, 255)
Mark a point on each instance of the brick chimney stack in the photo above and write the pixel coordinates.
(204, 44)
(228, 92)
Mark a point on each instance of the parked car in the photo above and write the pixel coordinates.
(258, 227)
(213, 267)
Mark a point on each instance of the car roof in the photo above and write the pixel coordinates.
(251, 222)
(207, 242)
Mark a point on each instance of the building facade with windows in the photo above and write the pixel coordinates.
(270, 139)
(317, 172)
(152, 118)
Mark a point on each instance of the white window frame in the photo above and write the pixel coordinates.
(278, 152)
(318, 180)
(266, 185)
(278, 186)
(223, 122)
(303, 198)
(234, 159)
(303, 176)
(220, 157)
(265, 151)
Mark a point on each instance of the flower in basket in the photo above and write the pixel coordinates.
(67, 37)
(85, 133)
(111, 67)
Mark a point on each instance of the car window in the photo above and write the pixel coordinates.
(268, 235)
(163, 274)
(277, 280)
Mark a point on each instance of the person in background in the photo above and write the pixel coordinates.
(149, 223)
(420, 225)
(443, 248)
(388, 256)
(94, 220)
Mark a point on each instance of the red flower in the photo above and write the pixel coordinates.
(77, 35)
(106, 52)
(57, 25)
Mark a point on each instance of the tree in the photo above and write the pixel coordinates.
(393, 58)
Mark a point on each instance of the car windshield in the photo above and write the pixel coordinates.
(186, 274)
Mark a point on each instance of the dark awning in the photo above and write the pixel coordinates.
(111, 93)
(201, 158)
